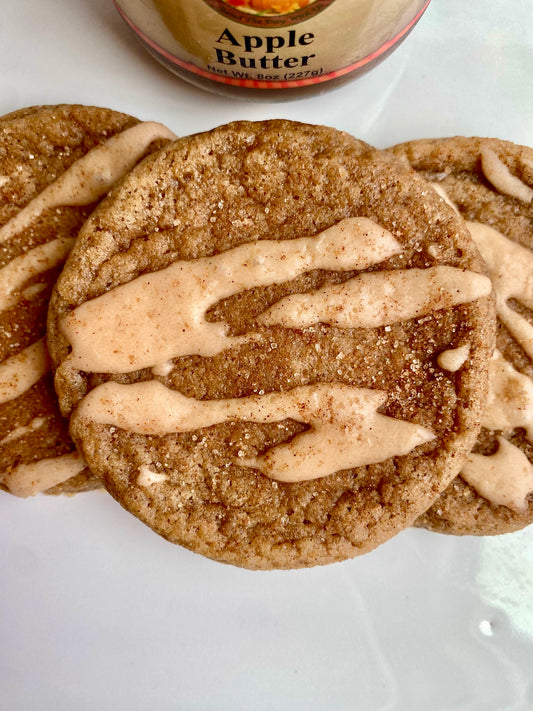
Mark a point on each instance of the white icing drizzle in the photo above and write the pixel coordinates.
(163, 369)
(31, 291)
(444, 195)
(147, 477)
(161, 316)
(379, 298)
(345, 428)
(90, 177)
(453, 359)
(510, 268)
(19, 372)
(510, 398)
(506, 475)
(499, 175)
(30, 479)
(37, 261)
(504, 478)
(509, 405)
(19, 432)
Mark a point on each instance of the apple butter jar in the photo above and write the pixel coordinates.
(271, 49)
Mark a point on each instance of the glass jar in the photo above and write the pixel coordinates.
(270, 49)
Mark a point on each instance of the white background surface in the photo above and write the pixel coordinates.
(97, 612)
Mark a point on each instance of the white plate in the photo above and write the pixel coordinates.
(97, 612)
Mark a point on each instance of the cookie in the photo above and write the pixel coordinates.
(56, 162)
(490, 183)
(246, 337)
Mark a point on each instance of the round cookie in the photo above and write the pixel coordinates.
(490, 183)
(56, 162)
(246, 338)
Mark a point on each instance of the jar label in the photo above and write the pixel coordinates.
(271, 44)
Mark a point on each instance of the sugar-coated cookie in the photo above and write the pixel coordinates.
(247, 337)
(490, 183)
(56, 163)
